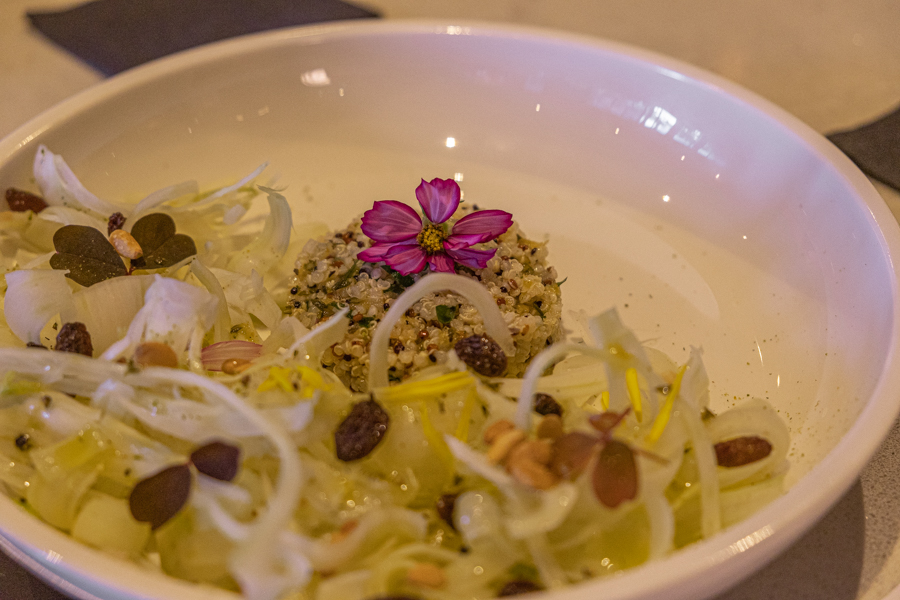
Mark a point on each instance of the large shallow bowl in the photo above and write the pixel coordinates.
(707, 215)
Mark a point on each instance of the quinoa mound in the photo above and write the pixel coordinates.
(328, 277)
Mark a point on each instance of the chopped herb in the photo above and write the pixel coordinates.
(559, 283)
(345, 279)
(445, 313)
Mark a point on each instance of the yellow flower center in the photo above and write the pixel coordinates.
(431, 239)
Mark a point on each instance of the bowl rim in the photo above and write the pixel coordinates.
(773, 527)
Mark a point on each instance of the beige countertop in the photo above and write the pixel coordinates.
(834, 64)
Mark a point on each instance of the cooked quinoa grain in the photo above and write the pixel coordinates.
(328, 277)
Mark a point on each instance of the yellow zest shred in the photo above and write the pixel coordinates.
(465, 416)
(435, 438)
(634, 392)
(282, 378)
(428, 388)
(604, 399)
(662, 419)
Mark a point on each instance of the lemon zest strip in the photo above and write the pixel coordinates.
(662, 419)
(634, 392)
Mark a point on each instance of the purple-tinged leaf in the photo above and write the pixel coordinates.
(217, 460)
(159, 497)
(571, 453)
(162, 247)
(605, 422)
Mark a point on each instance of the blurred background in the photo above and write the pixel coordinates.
(834, 64)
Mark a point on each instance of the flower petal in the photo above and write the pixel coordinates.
(439, 198)
(375, 253)
(406, 259)
(475, 259)
(391, 221)
(479, 227)
(441, 263)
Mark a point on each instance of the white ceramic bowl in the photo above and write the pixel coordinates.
(707, 215)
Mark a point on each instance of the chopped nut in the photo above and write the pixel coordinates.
(155, 354)
(539, 451)
(503, 444)
(550, 427)
(233, 366)
(125, 244)
(426, 575)
(532, 474)
(495, 429)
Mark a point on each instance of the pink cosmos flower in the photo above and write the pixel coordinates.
(407, 244)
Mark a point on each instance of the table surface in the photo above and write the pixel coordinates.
(834, 64)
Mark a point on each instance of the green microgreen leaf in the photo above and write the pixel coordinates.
(347, 278)
(559, 283)
(445, 313)
(87, 254)
(161, 245)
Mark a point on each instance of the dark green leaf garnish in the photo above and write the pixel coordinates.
(87, 254)
(559, 283)
(159, 497)
(217, 460)
(366, 321)
(348, 277)
(445, 313)
(401, 282)
(161, 245)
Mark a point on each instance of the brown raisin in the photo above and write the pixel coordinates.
(521, 586)
(445, 505)
(361, 431)
(74, 337)
(21, 201)
(545, 404)
(742, 451)
(116, 221)
(217, 460)
(482, 354)
(160, 497)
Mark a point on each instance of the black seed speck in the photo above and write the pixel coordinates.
(23, 442)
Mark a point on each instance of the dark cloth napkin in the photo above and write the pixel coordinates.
(114, 35)
(875, 148)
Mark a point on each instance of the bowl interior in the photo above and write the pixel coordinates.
(708, 217)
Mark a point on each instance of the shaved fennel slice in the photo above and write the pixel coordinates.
(33, 298)
(494, 324)
(214, 355)
(373, 528)
(271, 244)
(222, 326)
(162, 196)
(755, 418)
(246, 296)
(553, 507)
(695, 381)
(480, 466)
(65, 371)
(65, 215)
(662, 525)
(260, 564)
(61, 187)
(324, 336)
(108, 308)
(208, 200)
(538, 365)
(623, 351)
(173, 313)
(288, 331)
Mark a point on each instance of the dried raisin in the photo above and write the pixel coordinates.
(361, 431)
(482, 354)
(515, 588)
(74, 337)
(445, 505)
(545, 404)
(116, 221)
(742, 451)
(21, 201)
